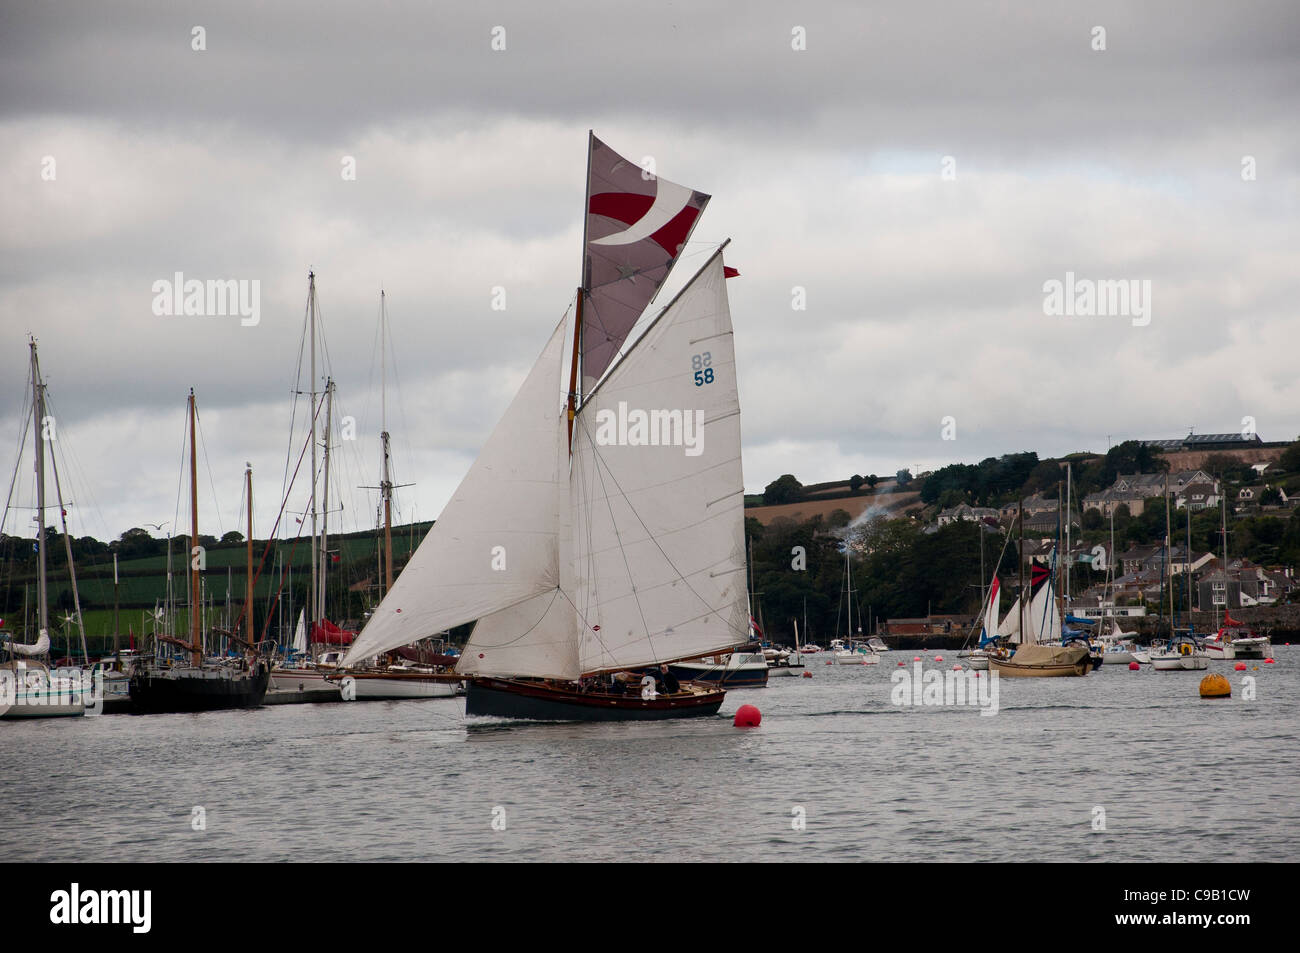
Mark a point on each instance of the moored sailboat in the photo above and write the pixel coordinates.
(600, 530)
(1040, 653)
(193, 683)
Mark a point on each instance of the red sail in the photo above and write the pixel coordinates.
(637, 224)
(326, 632)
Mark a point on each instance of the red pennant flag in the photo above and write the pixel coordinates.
(729, 272)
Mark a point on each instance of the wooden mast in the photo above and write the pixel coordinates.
(574, 380)
(196, 650)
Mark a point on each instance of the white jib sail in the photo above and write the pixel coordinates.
(300, 633)
(656, 492)
(1043, 619)
(495, 544)
(991, 613)
(1010, 625)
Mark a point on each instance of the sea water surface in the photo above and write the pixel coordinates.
(835, 772)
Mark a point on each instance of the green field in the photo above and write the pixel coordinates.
(142, 583)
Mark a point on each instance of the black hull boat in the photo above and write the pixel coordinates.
(543, 701)
(157, 691)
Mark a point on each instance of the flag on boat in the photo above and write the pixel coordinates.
(754, 625)
(637, 224)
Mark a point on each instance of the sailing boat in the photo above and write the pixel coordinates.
(601, 530)
(1234, 639)
(397, 676)
(163, 685)
(845, 651)
(28, 689)
(1038, 626)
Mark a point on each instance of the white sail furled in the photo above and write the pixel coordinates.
(495, 544)
(42, 646)
(300, 633)
(1009, 628)
(656, 492)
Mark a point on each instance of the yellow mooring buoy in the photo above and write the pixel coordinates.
(1215, 686)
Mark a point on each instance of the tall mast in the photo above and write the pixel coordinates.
(248, 597)
(322, 572)
(387, 482)
(1223, 509)
(575, 382)
(1187, 562)
(196, 651)
(311, 414)
(1168, 578)
(1068, 481)
(1021, 592)
(117, 630)
(38, 415)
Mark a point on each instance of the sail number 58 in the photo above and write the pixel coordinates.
(703, 372)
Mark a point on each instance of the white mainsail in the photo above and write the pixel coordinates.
(495, 544)
(659, 550)
(630, 553)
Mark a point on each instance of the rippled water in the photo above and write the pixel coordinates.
(1179, 779)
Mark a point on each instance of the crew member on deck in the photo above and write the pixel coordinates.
(669, 681)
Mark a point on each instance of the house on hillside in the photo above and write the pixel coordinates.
(963, 511)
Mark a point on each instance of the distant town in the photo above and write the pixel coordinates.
(922, 548)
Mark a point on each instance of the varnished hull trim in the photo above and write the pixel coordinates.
(1040, 671)
(504, 698)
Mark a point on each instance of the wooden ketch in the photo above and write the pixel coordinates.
(162, 684)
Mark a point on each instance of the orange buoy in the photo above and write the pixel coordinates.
(747, 716)
(1240, 667)
(1215, 686)
(1134, 667)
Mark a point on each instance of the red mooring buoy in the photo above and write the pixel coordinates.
(807, 674)
(1268, 661)
(1240, 667)
(1133, 666)
(747, 716)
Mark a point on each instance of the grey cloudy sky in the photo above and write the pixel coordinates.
(924, 294)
